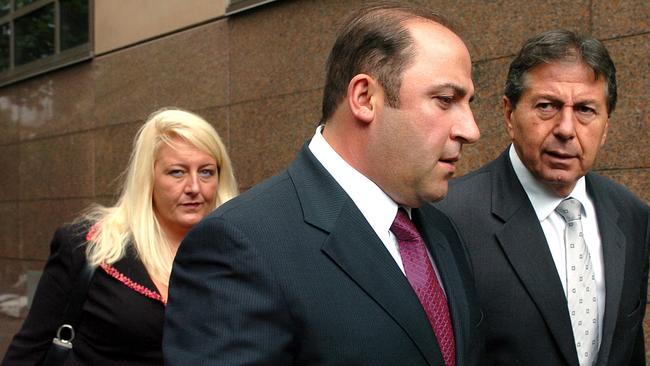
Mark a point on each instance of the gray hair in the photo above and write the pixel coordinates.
(561, 45)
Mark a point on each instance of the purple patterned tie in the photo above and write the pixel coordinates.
(424, 281)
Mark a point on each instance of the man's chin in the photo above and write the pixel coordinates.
(439, 193)
(560, 183)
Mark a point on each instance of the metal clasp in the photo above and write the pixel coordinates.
(64, 336)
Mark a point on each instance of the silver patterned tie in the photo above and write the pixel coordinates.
(581, 284)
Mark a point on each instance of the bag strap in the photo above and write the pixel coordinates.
(62, 343)
(72, 314)
(79, 294)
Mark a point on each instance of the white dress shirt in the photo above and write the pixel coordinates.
(375, 205)
(544, 202)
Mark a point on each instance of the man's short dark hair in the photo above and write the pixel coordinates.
(374, 41)
(561, 45)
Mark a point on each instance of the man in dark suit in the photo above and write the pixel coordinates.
(321, 264)
(547, 302)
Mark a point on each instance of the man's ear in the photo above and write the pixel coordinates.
(604, 138)
(508, 111)
(363, 95)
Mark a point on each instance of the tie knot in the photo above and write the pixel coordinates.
(569, 209)
(403, 227)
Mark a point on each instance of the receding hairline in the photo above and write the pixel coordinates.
(565, 61)
(443, 32)
(369, 23)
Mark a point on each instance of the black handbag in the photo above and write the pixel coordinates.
(62, 343)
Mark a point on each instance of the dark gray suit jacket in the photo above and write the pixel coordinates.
(291, 273)
(527, 321)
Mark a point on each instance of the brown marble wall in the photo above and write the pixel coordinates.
(65, 136)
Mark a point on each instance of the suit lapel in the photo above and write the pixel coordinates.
(527, 250)
(355, 248)
(613, 244)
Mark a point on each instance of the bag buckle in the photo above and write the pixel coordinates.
(64, 336)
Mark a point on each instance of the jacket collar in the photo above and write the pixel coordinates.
(355, 248)
(130, 272)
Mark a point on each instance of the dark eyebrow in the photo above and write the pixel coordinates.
(554, 99)
(547, 96)
(551, 99)
(458, 90)
(586, 101)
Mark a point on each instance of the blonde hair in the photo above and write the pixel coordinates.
(132, 221)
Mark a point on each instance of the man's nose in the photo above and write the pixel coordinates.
(466, 129)
(565, 126)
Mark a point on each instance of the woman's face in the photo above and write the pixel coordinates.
(185, 184)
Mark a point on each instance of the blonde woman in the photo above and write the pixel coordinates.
(179, 171)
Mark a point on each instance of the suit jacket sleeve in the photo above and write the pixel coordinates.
(639, 354)
(31, 343)
(224, 305)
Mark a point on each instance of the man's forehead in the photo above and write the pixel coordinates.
(557, 70)
(556, 76)
(426, 30)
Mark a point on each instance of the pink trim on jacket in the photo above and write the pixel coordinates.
(91, 233)
(113, 272)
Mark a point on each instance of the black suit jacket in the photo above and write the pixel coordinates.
(527, 321)
(120, 324)
(291, 273)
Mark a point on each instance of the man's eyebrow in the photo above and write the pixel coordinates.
(586, 101)
(555, 99)
(552, 98)
(458, 90)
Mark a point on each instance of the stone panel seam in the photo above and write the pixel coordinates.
(610, 170)
(591, 17)
(158, 37)
(626, 36)
(485, 61)
(229, 76)
(481, 61)
(20, 259)
(76, 132)
(297, 92)
(11, 143)
(56, 199)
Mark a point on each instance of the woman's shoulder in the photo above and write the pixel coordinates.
(75, 228)
(69, 243)
(73, 233)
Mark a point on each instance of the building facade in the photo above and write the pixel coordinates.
(67, 119)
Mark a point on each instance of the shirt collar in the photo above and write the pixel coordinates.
(375, 205)
(544, 202)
